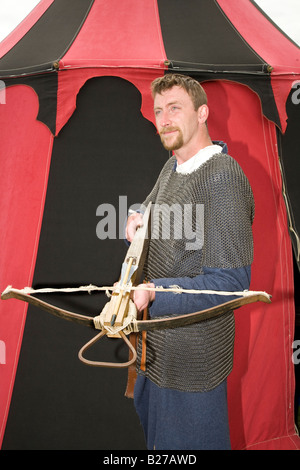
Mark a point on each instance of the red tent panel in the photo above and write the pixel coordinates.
(131, 37)
(261, 386)
(25, 157)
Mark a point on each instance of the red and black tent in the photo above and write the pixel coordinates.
(78, 137)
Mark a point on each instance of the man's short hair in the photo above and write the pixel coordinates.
(190, 85)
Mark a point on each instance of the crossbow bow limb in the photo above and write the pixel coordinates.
(119, 316)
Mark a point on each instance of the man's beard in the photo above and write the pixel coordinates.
(176, 144)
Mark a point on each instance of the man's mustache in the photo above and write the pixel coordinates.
(165, 130)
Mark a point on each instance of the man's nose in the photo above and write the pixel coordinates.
(165, 119)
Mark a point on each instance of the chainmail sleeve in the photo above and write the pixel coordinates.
(230, 214)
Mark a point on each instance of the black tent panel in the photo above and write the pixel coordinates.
(48, 39)
(289, 145)
(198, 33)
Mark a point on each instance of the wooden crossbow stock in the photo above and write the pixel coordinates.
(119, 316)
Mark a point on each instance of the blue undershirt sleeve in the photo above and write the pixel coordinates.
(229, 280)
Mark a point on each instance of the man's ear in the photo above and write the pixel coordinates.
(203, 112)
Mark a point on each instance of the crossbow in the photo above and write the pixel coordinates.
(119, 317)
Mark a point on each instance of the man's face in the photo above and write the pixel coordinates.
(176, 119)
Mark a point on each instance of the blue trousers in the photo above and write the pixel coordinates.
(175, 420)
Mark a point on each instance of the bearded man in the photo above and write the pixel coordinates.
(181, 390)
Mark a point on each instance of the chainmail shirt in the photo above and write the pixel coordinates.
(200, 220)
